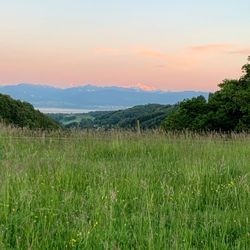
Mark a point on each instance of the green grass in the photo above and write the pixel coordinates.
(119, 190)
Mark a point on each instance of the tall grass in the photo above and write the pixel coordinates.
(119, 190)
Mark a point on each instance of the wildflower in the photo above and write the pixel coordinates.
(13, 209)
(88, 232)
(79, 234)
(74, 240)
(232, 182)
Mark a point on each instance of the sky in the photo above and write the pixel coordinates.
(153, 44)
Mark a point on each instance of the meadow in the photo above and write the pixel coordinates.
(122, 190)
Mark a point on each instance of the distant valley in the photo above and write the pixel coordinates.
(150, 116)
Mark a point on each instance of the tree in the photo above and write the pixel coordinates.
(191, 114)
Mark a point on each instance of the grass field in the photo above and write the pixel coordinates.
(120, 190)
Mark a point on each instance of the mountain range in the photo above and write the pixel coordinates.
(93, 97)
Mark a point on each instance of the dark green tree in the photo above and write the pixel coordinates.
(191, 114)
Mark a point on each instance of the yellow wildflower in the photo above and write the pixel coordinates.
(74, 240)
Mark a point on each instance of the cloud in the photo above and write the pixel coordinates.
(104, 50)
(151, 53)
(211, 47)
(224, 48)
(167, 58)
(139, 85)
(183, 60)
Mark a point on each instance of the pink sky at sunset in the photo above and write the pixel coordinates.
(123, 44)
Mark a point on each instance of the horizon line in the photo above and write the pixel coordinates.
(105, 86)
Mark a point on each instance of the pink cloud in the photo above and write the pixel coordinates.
(151, 53)
(146, 52)
(211, 47)
(139, 85)
(72, 85)
(219, 48)
(181, 61)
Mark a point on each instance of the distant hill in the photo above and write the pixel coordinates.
(22, 114)
(93, 97)
(150, 116)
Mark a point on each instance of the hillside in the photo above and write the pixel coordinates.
(23, 114)
(93, 97)
(150, 116)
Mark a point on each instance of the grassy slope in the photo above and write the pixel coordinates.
(119, 190)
